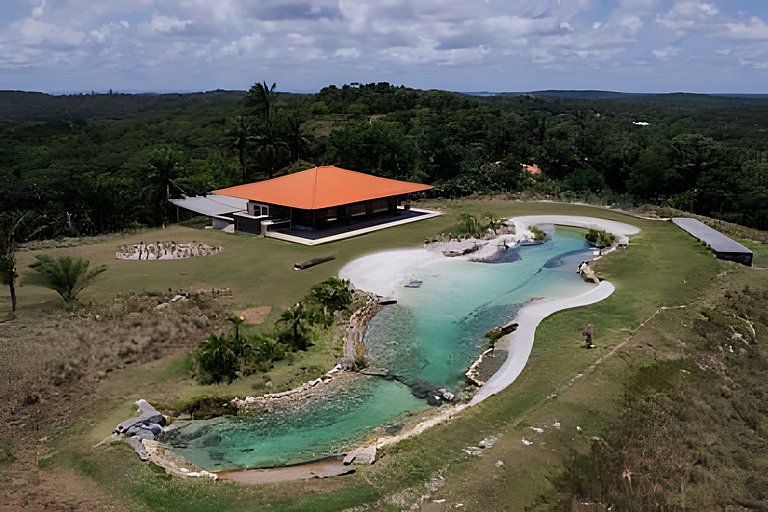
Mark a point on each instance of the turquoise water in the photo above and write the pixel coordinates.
(433, 334)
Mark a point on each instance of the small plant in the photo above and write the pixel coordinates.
(600, 239)
(538, 234)
(6, 453)
(66, 275)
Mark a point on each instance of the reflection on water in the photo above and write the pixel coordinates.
(433, 334)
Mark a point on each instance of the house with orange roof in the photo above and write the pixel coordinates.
(318, 203)
(533, 169)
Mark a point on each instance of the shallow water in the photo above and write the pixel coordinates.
(433, 334)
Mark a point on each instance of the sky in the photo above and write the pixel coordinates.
(705, 46)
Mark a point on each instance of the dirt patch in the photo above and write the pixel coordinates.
(257, 315)
(50, 364)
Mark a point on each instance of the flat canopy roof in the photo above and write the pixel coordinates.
(321, 187)
(717, 241)
(211, 205)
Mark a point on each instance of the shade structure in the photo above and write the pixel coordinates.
(211, 205)
(321, 187)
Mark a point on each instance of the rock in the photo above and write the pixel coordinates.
(135, 443)
(147, 415)
(364, 455)
(587, 274)
(185, 416)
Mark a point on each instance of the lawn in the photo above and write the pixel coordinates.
(662, 267)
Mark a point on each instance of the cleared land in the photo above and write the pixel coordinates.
(662, 267)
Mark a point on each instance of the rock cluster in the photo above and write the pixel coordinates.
(251, 402)
(164, 251)
(587, 274)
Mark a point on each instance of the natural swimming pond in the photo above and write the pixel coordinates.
(432, 334)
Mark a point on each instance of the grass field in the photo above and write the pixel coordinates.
(662, 267)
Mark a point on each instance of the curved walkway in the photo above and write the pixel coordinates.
(520, 342)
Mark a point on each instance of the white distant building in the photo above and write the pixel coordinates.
(640, 123)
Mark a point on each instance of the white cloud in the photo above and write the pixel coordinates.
(347, 53)
(688, 15)
(754, 64)
(33, 32)
(666, 53)
(162, 24)
(108, 30)
(754, 29)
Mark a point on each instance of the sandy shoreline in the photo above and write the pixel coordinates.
(383, 272)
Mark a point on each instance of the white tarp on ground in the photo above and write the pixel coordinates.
(212, 204)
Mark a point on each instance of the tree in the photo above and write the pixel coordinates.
(270, 147)
(296, 140)
(240, 136)
(216, 360)
(299, 319)
(332, 295)
(12, 229)
(260, 96)
(163, 165)
(66, 275)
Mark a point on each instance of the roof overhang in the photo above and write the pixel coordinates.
(321, 187)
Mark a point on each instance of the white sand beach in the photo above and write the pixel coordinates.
(382, 273)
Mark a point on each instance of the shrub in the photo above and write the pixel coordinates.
(217, 359)
(538, 234)
(66, 275)
(600, 239)
(6, 453)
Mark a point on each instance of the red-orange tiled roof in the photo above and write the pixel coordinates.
(321, 187)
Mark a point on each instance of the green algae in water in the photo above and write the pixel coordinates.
(432, 334)
(295, 432)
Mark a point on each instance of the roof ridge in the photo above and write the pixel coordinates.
(314, 188)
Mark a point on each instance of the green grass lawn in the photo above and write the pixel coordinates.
(662, 267)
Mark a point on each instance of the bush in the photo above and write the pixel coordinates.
(538, 234)
(66, 275)
(217, 359)
(600, 239)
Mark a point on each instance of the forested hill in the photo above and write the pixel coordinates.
(103, 162)
(24, 106)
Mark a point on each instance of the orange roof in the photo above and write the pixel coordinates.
(321, 187)
(532, 169)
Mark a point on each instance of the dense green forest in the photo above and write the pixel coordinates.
(94, 163)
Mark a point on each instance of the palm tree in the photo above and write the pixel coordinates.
(162, 167)
(216, 360)
(298, 318)
(260, 96)
(298, 143)
(270, 147)
(66, 275)
(239, 137)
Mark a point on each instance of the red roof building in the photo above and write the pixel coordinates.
(319, 197)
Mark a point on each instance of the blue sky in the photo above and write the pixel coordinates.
(303, 45)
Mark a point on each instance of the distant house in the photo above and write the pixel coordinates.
(533, 169)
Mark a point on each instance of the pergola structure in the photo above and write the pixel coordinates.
(318, 199)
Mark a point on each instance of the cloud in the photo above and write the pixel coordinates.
(688, 15)
(108, 31)
(33, 32)
(666, 53)
(347, 53)
(754, 29)
(162, 24)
